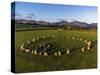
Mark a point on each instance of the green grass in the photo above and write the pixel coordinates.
(26, 62)
(26, 27)
(23, 26)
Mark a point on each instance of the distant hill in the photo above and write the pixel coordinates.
(74, 24)
(83, 24)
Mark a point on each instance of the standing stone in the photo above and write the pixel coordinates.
(27, 50)
(32, 51)
(40, 53)
(88, 44)
(88, 47)
(59, 53)
(22, 47)
(33, 39)
(48, 46)
(45, 54)
(28, 42)
(35, 52)
(68, 51)
(83, 49)
(55, 54)
(80, 39)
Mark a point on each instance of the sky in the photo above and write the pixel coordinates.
(55, 12)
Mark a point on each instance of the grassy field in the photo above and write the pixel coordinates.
(27, 62)
(26, 27)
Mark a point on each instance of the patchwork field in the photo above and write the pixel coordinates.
(59, 40)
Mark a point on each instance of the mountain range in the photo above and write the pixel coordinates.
(76, 24)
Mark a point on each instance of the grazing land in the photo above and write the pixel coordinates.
(64, 39)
